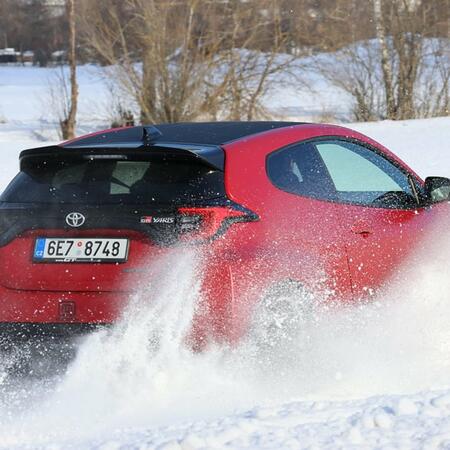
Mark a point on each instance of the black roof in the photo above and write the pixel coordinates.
(212, 133)
(201, 140)
(215, 133)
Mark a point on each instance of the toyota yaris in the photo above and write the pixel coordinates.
(266, 202)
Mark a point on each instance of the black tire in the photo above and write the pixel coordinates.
(282, 310)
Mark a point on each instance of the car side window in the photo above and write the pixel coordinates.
(299, 169)
(341, 171)
(362, 176)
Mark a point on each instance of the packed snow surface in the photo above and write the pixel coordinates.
(372, 376)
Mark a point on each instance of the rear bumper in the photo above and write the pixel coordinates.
(29, 313)
(60, 308)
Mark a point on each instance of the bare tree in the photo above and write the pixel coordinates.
(68, 121)
(432, 95)
(191, 59)
(404, 71)
(150, 48)
(385, 57)
(255, 61)
(355, 70)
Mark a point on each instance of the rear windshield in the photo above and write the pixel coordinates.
(115, 182)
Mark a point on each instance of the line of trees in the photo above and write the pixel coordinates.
(177, 60)
(403, 71)
(33, 25)
(320, 25)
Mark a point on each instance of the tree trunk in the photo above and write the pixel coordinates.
(148, 91)
(68, 124)
(408, 45)
(386, 66)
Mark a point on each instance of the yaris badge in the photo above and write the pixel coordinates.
(75, 219)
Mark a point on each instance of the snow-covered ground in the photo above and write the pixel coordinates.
(32, 85)
(376, 376)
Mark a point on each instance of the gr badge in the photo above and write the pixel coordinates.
(146, 219)
(157, 220)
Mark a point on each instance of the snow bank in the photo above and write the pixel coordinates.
(423, 144)
(24, 93)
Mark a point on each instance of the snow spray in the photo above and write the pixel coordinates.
(141, 374)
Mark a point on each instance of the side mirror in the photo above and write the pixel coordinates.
(437, 189)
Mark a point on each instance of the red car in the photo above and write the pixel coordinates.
(320, 206)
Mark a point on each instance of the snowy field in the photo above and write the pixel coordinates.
(373, 377)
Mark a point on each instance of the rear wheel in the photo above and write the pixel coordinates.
(280, 313)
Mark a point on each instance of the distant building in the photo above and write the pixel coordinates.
(9, 56)
(59, 57)
(12, 57)
(56, 7)
(28, 57)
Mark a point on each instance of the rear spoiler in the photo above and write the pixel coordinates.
(211, 155)
(125, 143)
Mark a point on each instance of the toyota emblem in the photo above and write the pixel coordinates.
(75, 219)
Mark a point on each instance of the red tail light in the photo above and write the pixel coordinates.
(208, 223)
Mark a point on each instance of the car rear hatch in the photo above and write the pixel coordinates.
(95, 217)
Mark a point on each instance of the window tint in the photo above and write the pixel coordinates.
(339, 170)
(365, 175)
(115, 182)
(126, 174)
(300, 170)
(362, 176)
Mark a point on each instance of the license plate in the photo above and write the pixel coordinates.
(88, 250)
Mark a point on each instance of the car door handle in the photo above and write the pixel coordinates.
(362, 228)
